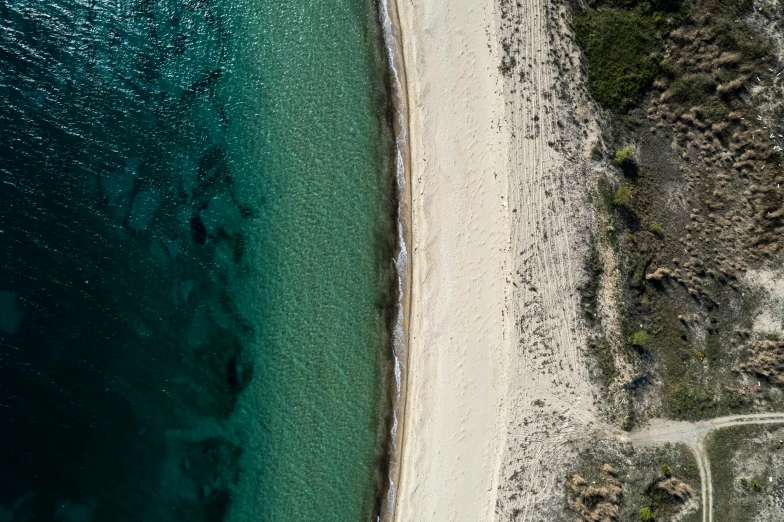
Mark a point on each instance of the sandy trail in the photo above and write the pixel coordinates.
(550, 400)
(660, 431)
(693, 435)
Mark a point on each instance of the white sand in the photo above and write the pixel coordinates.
(452, 425)
(497, 388)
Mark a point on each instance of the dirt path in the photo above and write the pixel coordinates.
(693, 435)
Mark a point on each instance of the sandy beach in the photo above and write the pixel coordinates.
(497, 387)
(453, 426)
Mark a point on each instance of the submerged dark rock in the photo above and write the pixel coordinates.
(239, 374)
(198, 230)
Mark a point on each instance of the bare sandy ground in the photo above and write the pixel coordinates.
(497, 387)
(551, 404)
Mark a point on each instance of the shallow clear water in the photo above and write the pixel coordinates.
(195, 223)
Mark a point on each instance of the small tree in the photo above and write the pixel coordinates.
(638, 338)
(646, 515)
(623, 156)
(623, 196)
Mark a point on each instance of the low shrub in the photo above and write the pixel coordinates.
(639, 338)
(623, 155)
(692, 89)
(685, 400)
(714, 109)
(622, 196)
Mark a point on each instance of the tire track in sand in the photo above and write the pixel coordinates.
(550, 401)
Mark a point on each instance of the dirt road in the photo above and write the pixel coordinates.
(693, 434)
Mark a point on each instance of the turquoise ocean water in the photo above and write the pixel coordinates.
(197, 229)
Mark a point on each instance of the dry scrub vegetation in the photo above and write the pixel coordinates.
(616, 483)
(597, 503)
(765, 359)
(748, 473)
(692, 103)
(686, 182)
(602, 502)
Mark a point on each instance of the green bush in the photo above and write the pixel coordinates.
(622, 196)
(714, 109)
(767, 11)
(646, 515)
(666, 470)
(639, 338)
(656, 229)
(618, 45)
(687, 401)
(623, 155)
(756, 484)
(624, 158)
(693, 89)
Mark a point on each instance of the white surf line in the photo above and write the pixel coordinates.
(401, 261)
(693, 434)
